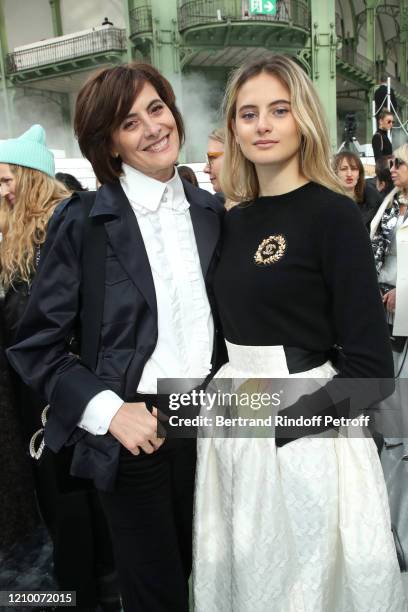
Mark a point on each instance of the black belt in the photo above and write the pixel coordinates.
(300, 360)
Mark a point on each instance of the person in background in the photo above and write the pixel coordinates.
(382, 146)
(188, 174)
(70, 181)
(215, 155)
(383, 179)
(83, 559)
(18, 512)
(350, 171)
(388, 230)
(380, 96)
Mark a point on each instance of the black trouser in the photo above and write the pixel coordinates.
(150, 518)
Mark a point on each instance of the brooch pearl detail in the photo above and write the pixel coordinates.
(270, 250)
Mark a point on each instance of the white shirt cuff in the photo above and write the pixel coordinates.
(99, 412)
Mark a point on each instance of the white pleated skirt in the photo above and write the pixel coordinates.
(302, 528)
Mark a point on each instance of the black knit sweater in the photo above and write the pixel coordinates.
(381, 144)
(297, 270)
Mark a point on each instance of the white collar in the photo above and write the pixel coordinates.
(146, 194)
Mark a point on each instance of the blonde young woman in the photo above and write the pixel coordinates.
(298, 522)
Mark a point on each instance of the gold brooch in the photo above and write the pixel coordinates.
(270, 250)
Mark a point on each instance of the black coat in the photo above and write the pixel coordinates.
(370, 204)
(18, 513)
(28, 404)
(382, 146)
(129, 324)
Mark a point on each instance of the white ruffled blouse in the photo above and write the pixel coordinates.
(185, 324)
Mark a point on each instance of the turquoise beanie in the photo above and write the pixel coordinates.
(28, 150)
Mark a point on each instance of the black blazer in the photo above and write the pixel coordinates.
(129, 323)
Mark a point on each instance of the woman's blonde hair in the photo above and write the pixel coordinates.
(239, 180)
(218, 134)
(24, 224)
(401, 153)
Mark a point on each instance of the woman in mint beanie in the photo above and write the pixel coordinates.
(29, 194)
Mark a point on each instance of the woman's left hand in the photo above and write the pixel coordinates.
(389, 300)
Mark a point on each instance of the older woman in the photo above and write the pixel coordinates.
(350, 171)
(388, 230)
(158, 236)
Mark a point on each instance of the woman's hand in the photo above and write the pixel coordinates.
(136, 428)
(389, 300)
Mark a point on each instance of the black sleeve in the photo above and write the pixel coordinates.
(357, 313)
(40, 354)
(357, 310)
(372, 197)
(377, 145)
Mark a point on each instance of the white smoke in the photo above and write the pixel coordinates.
(31, 106)
(200, 108)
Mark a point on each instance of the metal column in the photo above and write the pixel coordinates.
(5, 86)
(323, 60)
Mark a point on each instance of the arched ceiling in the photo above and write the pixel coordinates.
(351, 24)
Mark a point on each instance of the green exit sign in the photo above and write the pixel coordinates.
(262, 7)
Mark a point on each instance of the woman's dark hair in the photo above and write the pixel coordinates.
(104, 102)
(383, 174)
(188, 174)
(355, 162)
(69, 181)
